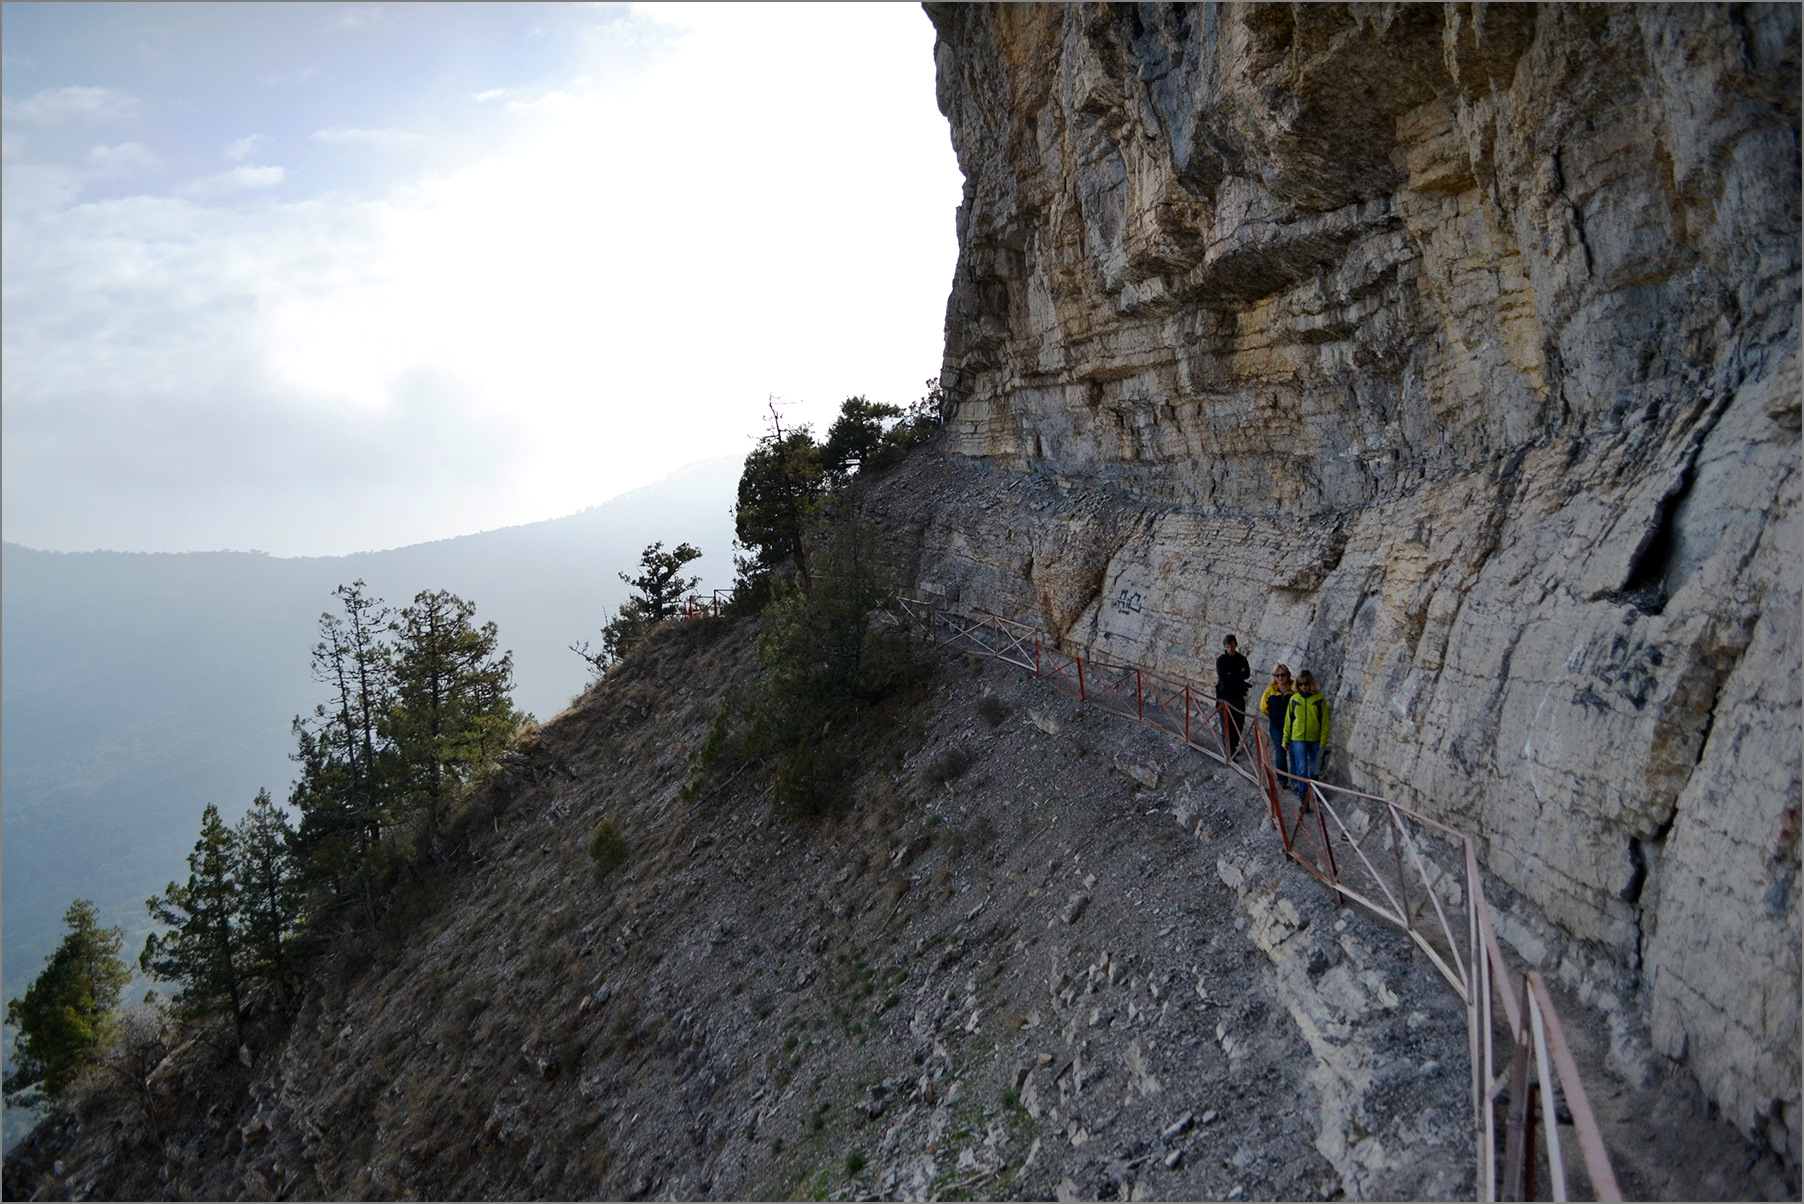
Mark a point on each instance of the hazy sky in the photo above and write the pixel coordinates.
(324, 278)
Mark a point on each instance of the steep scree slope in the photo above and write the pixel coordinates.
(1010, 965)
(1451, 351)
(1040, 953)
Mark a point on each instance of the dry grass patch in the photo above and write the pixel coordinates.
(945, 766)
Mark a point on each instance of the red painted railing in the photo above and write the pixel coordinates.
(1343, 837)
(695, 606)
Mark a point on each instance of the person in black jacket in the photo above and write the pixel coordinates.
(1232, 677)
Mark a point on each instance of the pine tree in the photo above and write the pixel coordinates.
(66, 1015)
(356, 662)
(825, 656)
(658, 596)
(330, 843)
(452, 709)
(347, 763)
(779, 494)
(269, 895)
(203, 948)
(857, 437)
(823, 649)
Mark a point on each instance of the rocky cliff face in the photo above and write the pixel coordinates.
(1451, 352)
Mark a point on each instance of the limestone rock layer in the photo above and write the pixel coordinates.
(1452, 353)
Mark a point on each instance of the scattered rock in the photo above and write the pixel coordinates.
(1074, 907)
(1146, 775)
(1139, 1077)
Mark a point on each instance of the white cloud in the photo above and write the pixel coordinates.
(341, 136)
(54, 105)
(491, 94)
(12, 145)
(240, 149)
(121, 162)
(248, 178)
(33, 192)
(357, 16)
(609, 295)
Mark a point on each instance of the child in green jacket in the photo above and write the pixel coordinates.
(1305, 730)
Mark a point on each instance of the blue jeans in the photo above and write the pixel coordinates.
(1303, 754)
(1280, 754)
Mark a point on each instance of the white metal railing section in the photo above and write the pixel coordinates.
(1396, 863)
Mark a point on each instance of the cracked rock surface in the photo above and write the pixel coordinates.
(1450, 351)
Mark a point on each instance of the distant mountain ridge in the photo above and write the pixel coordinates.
(138, 687)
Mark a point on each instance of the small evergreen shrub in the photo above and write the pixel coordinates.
(608, 846)
(827, 657)
(713, 745)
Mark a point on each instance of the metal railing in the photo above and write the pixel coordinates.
(1400, 865)
(694, 606)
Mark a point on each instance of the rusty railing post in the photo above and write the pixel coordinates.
(1519, 1139)
(1081, 696)
(1544, 1072)
(1556, 1058)
(1321, 819)
(1268, 779)
(1139, 698)
(1478, 1011)
(1402, 880)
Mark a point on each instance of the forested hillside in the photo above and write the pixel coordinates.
(139, 688)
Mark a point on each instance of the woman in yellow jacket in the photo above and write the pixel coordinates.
(1305, 730)
(1272, 704)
